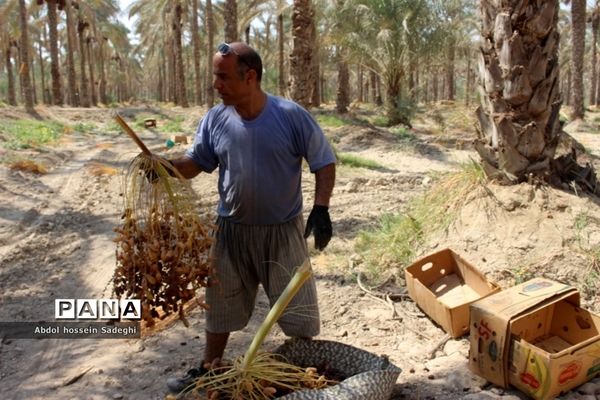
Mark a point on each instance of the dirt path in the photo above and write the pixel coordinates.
(56, 242)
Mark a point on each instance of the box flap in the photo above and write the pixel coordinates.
(513, 301)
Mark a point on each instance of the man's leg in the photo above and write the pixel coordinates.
(215, 346)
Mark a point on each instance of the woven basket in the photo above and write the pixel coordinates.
(371, 377)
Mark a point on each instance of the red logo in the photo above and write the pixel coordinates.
(570, 372)
(484, 331)
(530, 380)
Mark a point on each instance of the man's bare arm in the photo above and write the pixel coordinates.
(186, 167)
(325, 180)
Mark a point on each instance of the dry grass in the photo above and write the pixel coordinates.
(99, 169)
(28, 166)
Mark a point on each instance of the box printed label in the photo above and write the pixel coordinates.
(569, 372)
(595, 369)
(530, 380)
(535, 286)
(536, 376)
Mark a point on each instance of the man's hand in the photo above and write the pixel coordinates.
(150, 172)
(319, 224)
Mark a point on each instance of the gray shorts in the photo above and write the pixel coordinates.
(246, 255)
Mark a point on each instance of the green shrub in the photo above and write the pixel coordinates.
(85, 127)
(22, 134)
(396, 239)
(172, 125)
(353, 161)
(331, 121)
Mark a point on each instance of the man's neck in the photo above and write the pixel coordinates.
(253, 107)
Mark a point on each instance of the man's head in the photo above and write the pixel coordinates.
(247, 58)
(237, 70)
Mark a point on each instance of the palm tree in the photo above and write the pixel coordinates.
(24, 49)
(231, 22)
(595, 22)
(519, 115)
(71, 76)
(577, 50)
(381, 37)
(155, 18)
(57, 95)
(315, 69)
(343, 89)
(210, 33)
(280, 54)
(301, 57)
(196, 44)
(180, 90)
(84, 95)
(11, 94)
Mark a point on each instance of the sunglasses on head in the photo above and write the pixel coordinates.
(225, 49)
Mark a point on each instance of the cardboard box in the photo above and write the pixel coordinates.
(535, 337)
(180, 139)
(443, 285)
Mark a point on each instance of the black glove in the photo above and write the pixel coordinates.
(319, 224)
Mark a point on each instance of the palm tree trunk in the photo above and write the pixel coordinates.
(412, 68)
(160, 83)
(12, 98)
(519, 115)
(469, 77)
(373, 77)
(378, 97)
(172, 75)
(102, 82)
(90, 50)
(71, 76)
(315, 73)
(360, 84)
(343, 90)
(210, 32)
(450, 70)
(417, 80)
(594, 61)
(567, 89)
(435, 86)
(394, 90)
(18, 64)
(57, 96)
(24, 49)
(42, 73)
(181, 92)
(33, 81)
(577, 50)
(301, 57)
(230, 17)
(84, 96)
(281, 40)
(123, 89)
(196, 44)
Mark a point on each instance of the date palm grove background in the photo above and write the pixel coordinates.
(520, 60)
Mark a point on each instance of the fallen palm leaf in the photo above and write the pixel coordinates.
(262, 375)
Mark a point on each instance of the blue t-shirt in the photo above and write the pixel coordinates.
(260, 161)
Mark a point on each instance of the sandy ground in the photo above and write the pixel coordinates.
(56, 242)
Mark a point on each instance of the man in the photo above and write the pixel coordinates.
(257, 141)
